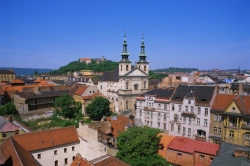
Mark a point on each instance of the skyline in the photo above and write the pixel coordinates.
(186, 34)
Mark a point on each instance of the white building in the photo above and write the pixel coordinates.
(122, 85)
(51, 147)
(152, 108)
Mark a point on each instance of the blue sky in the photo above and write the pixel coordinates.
(189, 33)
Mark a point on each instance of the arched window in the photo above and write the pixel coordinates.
(121, 67)
(126, 67)
(126, 104)
(145, 84)
(145, 68)
(127, 85)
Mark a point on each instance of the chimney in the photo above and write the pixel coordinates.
(131, 120)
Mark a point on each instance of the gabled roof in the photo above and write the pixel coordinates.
(80, 90)
(110, 76)
(108, 160)
(47, 139)
(226, 156)
(134, 69)
(8, 127)
(15, 154)
(243, 102)
(203, 94)
(82, 161)
(222, 101)
(190, 146)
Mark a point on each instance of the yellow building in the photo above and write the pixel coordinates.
(7, 75)
(237, 121)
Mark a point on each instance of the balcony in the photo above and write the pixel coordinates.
(232, 125)
(246, 127)
(200, 138)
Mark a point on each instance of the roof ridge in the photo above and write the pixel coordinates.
(14, 147)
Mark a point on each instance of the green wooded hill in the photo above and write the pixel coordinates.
(77, 66)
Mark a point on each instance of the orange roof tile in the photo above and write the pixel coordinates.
(119, 124)
(38, 80)
(16, 154)
(222, 101)
(79, 160)
(80, 90)
(243, 102)
(47, 139)
(165, 140)
(17, 81)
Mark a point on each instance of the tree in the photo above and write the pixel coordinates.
(98, 108)
(36, 72)
(8, 109)
(67, 106)
(139, 146)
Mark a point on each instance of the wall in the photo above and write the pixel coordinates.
(185, 159)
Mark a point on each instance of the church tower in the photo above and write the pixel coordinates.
(142, 64)
(124, 64)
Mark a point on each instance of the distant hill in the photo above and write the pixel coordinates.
(27, 71)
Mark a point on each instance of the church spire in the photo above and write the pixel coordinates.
(142, 55)
(125, 53)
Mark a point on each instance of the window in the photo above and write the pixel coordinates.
(65, 150)
(247, 136)
(211, 158)
(66, 161)
(219, 130)
(179, 128)
(189, 101)
(73, 148)
(172, 127)
(189, 121)
(151, 114)
(159, 106)
(189, 132)
(165, 106)
(206, 111)
(176, 117)
(199, 110)
(215, 129)
(165, 116)
(184, 131)
(219, 118)
(136, 86)
(55, 152)
(39, 156)
(184, 120)
(126, 67)
(179, 107)
(248, 122)
(159, 124)
(231, 134)
(126, 104)
(159, 116)
(233, 109)
(127, 85)
(73, 158)
(145, 68)
(198, 122)
(205, 122)
(172, 107)
(121, 67)
(202, 157)
(56, 163)
(164, 126)
(178, 154)
(215, 118)
(186, 107)
(4, 135)
(192, 109)
(100, 86)
(140, 113)
(145, 84)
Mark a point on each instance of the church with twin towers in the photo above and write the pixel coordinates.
(125, 83)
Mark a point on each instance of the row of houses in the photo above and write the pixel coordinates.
(197, 112)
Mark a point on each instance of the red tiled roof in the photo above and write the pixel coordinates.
(165, 140)
(16, 154)
(243, 102)
(79, 160)
(1, 90)
(17, 81)
(38, 80)
(9, 127)
(119, 124)
(80, 90)
(222, 101)
(190, 146)
(47, 139)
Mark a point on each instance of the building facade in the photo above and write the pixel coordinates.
(7, 75)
